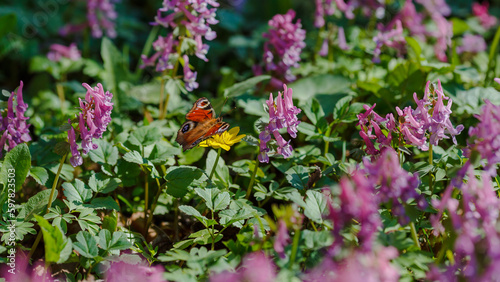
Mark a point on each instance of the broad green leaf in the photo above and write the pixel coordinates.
(15, 168)
(99, 183)
(179, 178)
(56, 245)
(110, 222)
(133, 157)
(145, 136)
(105, 153)
(221, 201)
(78, 192)
(208, 195)
(116, 241)
(244, 86)
(103, 203)
(203, 237)
(313, 111)
(40, 175)
(86, 244)
(315, 206)
(221, 171)
(34, 205)
(298, 176)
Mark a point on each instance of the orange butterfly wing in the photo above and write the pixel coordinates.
(201, 125)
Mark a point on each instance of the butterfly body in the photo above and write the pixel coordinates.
(201, 124)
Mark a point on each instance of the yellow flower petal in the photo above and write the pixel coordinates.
(224, 140)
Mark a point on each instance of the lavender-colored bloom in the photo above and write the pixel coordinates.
(165, 55)
(485, 137)
(393, 183)
(413, 20)
(13, 127)
(473, 218)
(497, 80)
(76, 159)
(437, 6)
(58, 51)
(101, 15)
(282, 238)
(256, 267)
(392, 38)
(189, 76)
(472, 44)
(341, 39)
(23, 271)
(356, 202)
(282, 113)
(283, 48)
(481, 11)
(371, 121)
(93, 120)
(357, 266)
(122, 271)
(322, 7)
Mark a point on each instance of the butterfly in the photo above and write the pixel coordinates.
(200, 125)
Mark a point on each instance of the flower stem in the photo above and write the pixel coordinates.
(146, 201)
(162, 93)
(252, 180)
(414, 235)
(215, 164)
(153, 206)
(60, 93)
(295, 247)
(49, 204)
(431, 186)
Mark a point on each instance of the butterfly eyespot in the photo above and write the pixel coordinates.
(185, 128)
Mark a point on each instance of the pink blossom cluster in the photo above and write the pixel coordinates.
(392, 38)
(285, 41)
(474, 218)
(371, 129)
(393, 184)
(188, 19)
(58, 51)
(93, 121)
(481, 12)
(472, 44)
(323, 7)
(13, 127)
(282, 113)
(101, 15)
(256, 267)
(122, 271)
(485, 137)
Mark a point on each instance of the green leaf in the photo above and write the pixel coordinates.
(57, 247)
(315, 206)
(78, 193)
(297, 176)
(86, 244)
(189, 210)
(161, 153)
(221, 201)
(133, 157)
(117, 241)
(110, 222)
(105, 153)
(34, 205)
(103, 203)
(241, 88)
(203, 237)
(414, 51)
(313, 111)
(145, 136)
(100, 183)
(15, 168)
(40, 175)
(208, 195)
(180, 178)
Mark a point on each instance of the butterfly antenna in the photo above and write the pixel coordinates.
(223, 104)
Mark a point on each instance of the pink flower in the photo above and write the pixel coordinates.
(481, 11)
(58, 51)
(256, 267)
(13, 127)
(283, 48)
(322, 7)
(472, 44)
(189, 76)
(122, 271)
(23, 271)
(391, 38)
(165, 55)
(76, 159)
(93, 120)
(282, 113)
(101, 15)
(282, 238)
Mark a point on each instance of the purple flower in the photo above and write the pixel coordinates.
(393, 184)
(23, 271)
(472, 44)
(497, 80)
(282, 113)
(322, 7)
(413, 20)
(283, 48)
(256, 267)
(93, 120)
(122, 271)
(485, 137)
(392, 38)
(100, 16)
(189, 76)
(473, 219)
(58, 51)
(282, 238)
(13, 127)
(165, 55)
(481, 11)
(371, 121)
(341, 39)
(357, 266)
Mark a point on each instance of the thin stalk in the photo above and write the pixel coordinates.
(431, 186)
(60, 93)
(414, 235)
(49, 204)
(295, 247)
(153, 206)
(162, 93)
(147, 47)
(215, 164)
(492, 58)
(146, 200)
(176, 220)
(252, 180)
(213, 231)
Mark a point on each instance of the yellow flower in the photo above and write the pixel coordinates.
(224, 140)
